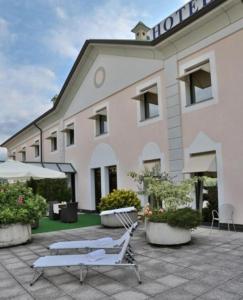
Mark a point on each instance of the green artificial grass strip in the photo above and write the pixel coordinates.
(84, 220)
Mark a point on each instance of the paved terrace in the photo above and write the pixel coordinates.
(211, 267)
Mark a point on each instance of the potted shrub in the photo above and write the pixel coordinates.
(118, 199)
(20, 208)
(170, 221)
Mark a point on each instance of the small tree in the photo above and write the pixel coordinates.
(170, 195)
(145, 178)
(163, 191)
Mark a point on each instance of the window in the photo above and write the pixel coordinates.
(153, 165)
(53, 144)
(23, 152)
(70, 136)
(36, 147)
(149, 104)
(37, 150)
(112, 173)
(69, 131)
(101, 124)
(13, 156)
(198, 83)
(101, 121)
(53, 140)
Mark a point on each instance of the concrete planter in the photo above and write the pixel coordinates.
(113, 222)
(14, 234)
(164, 234)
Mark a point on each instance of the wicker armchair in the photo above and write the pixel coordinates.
(69, 213)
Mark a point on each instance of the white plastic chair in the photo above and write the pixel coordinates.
(215, 217)
(225, 215)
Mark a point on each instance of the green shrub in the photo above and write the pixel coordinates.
(51, 189)
(19, 204)
(184, 218)
(118, 199)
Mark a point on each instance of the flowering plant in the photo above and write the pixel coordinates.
(19, 205)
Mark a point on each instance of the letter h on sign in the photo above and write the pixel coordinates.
(156, 31)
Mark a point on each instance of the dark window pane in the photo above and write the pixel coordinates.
(70, 137)
(97, 186)
(151, 108)
(200, 85)
(54, 144)
(37, 151)
(103, 124)
(23, 156)
(112, 178)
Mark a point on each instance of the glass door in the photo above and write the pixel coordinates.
(97, 186)
(112, 178)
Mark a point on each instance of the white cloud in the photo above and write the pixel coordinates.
(60, 12)
(24, 89)
(113, 19)
(24, 94)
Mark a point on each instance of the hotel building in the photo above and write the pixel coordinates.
(172, 96)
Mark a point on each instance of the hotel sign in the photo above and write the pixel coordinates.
(178, 17)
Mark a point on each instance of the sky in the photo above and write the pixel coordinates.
(40, 40)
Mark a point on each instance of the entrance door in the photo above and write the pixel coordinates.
(206, 195)
(112, 178)
(97, 186)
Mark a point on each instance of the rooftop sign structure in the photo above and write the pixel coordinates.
(178, 17)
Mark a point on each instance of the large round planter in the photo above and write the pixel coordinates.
(14, 234)
(164, 234)
(113, 222)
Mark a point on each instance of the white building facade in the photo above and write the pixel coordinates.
(169, 97)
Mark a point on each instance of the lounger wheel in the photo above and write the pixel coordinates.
(140, 282)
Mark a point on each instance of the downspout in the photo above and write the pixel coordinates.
(41, 144)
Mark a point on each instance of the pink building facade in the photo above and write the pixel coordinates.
(175, 99)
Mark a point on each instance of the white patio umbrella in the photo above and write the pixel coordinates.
(12, 169)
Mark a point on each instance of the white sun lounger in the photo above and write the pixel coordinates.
(106, 242)
(96, 258)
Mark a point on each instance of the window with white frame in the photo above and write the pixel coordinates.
(37, 149)
(69, 132)
(153, 165)
(149, 104)
(198, 83)
(13, 155)
(101, 121)
(53, 141)
(23, 154)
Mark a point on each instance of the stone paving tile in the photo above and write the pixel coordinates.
(152, 288)
(172, 280)
(209, 268)
(130, 295)
(175, 294)
(47, 293)
(22, 297)
(13, 291)
(219, 294)
(86, 292)
(196, 287)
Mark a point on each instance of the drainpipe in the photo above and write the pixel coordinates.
(41, 144)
